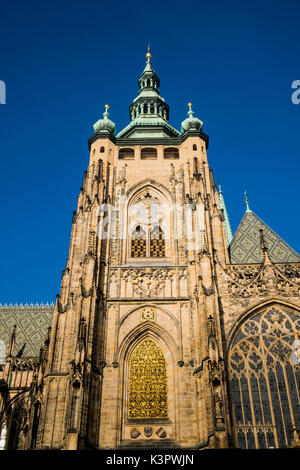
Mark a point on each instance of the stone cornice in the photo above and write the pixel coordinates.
(172, 141)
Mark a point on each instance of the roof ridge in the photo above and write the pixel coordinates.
(26, 305)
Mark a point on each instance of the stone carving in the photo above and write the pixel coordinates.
(148, 314)
(161, 432)
(88, 266)
(148, 431)
(262, 280)
(134, 433)
(24, 364)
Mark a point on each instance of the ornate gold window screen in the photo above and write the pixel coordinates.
(147, 382)
(157, 242)
(150, 243)
(138, 242)
(265, 380)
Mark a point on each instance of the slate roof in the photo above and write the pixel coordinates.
(245, 245)
(32, 323)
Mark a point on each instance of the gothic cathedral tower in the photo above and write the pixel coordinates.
(167, 331)
(138, 311)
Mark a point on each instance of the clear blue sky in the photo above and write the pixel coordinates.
(63, 60)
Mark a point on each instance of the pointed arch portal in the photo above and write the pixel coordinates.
(147, 382)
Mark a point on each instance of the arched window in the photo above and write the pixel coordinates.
(126, 154)
(147, 382)
(149, 243)
(157, 242)
(171, 152)
(101, 149)
(138, 242)
(265, 377)
(194, 147)
(148, 153)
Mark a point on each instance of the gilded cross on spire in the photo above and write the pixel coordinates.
(106, 114)
(148, 55)
(190, 112)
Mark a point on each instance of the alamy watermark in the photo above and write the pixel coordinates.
(2, 353)
(296, 94)
(179, 222)
(2, 92)
(296, 353)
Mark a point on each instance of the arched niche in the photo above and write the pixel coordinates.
(126, 153)
(147, 224)
(149, 153)
(171, 153)
(147, 349)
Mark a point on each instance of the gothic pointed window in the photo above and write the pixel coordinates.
(265, 376)
(157, 242)
(147, 382)
(138, 242)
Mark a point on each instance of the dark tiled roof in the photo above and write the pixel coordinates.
(32, 323)
(245, 245)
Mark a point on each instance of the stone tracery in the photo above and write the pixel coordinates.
(265, 379)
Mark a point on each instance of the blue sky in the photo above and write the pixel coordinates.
(63, 60)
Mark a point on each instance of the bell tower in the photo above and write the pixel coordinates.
(136, 351)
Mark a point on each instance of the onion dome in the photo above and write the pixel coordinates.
(104, 125)
(191, 123)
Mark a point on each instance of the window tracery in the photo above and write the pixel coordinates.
(147, 219)
(265, 379)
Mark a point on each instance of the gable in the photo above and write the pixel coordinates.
(245, 245)
(32, 323)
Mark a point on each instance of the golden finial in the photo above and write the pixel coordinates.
(106, 106)
(190, 105)
(148, 55)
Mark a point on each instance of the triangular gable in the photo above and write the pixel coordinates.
(245, 245)
(32, 323)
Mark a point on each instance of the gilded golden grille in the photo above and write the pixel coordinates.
(138, 243)
(157, 243)
(147, 382)
(265, 379)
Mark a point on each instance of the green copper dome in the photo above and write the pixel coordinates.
(104, 125)
(191, 122)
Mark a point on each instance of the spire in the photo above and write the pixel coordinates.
(247, 203)
(149, 113)
(148, 67)
(228, 231)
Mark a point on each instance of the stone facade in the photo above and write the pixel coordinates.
(184, 307)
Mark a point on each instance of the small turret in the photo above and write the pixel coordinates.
(191, 123)
(105, 125)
